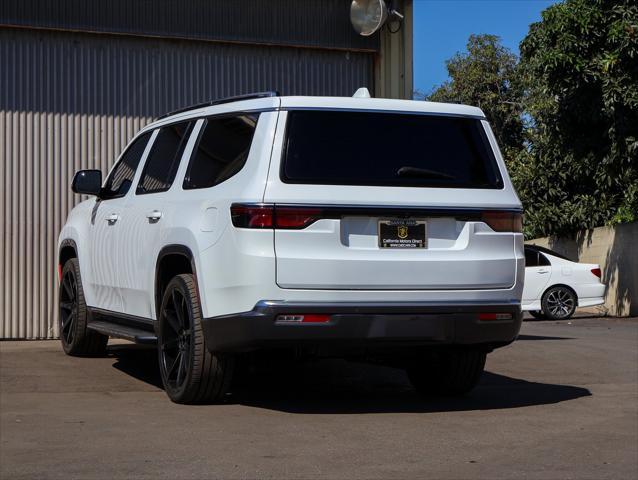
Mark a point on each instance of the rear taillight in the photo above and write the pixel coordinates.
(292, 217)
(252, 216)
(597, 272)
(271, 216)
(295, 218)
(501, 221)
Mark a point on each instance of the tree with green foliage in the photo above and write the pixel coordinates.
(485, 76)
(579, 66)
(566, 116)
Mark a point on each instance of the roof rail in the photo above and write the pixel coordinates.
(248, 96)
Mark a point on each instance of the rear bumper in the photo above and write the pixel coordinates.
(368, 324)
(590, 301)
(589, 291)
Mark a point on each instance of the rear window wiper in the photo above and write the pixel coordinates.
(422, 173)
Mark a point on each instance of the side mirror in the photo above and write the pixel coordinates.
(88, 182)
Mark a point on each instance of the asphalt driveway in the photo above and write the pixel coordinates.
(561, 402)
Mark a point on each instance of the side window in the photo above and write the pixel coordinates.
(121, 178)
(543, 261)
(531, 258)
(221, 151)
(163, 159)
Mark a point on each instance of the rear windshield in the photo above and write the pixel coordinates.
(387, 149)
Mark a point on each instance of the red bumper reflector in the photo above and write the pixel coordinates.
(303, 318)
(495, 316)
(60, 272)
(597, 272)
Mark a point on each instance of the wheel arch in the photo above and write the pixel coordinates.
(560, 285)
(172, 260)
(67, 250)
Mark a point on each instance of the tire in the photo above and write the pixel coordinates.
(537, 314)
(75, 337)
(190, 373)
(559, 303)
(448, 373)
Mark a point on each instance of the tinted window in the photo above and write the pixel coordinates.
(547, 251)
(543, 261)
(531, 258)
(121, 177)
(221, 151)
(163, 159)
(388, 149)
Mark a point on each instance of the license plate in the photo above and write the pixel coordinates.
(402, 233)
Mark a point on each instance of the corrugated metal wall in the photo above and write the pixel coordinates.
(319, 23)
(72, 100)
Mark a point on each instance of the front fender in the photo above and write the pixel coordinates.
(76, 232)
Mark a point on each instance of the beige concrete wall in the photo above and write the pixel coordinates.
(614, 249)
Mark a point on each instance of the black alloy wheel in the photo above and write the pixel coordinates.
(76, 338)
(68, 306)
(448, 373)
(537, 314)
(559, 303)
(190, 372)
(176, 333)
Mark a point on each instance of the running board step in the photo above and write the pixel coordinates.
(126, 332)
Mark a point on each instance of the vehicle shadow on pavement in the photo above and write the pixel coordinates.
(138, 361)
(357, 388)
(334, 386)
(541, 337)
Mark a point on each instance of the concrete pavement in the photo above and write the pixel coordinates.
(561, 402)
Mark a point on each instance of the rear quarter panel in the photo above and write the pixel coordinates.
(226, 261)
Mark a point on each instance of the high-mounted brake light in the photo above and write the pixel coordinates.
(271, 216)
(597, 272)
(502, 221)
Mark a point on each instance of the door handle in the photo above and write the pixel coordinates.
(543, 271)
(112, 218)
(154, 215)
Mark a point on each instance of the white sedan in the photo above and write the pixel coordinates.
(555, 286)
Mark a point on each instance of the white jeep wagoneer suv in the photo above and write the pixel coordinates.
(354, 226)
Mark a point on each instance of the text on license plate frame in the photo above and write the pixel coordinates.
(402, 239)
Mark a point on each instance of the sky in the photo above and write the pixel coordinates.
(442, 27)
